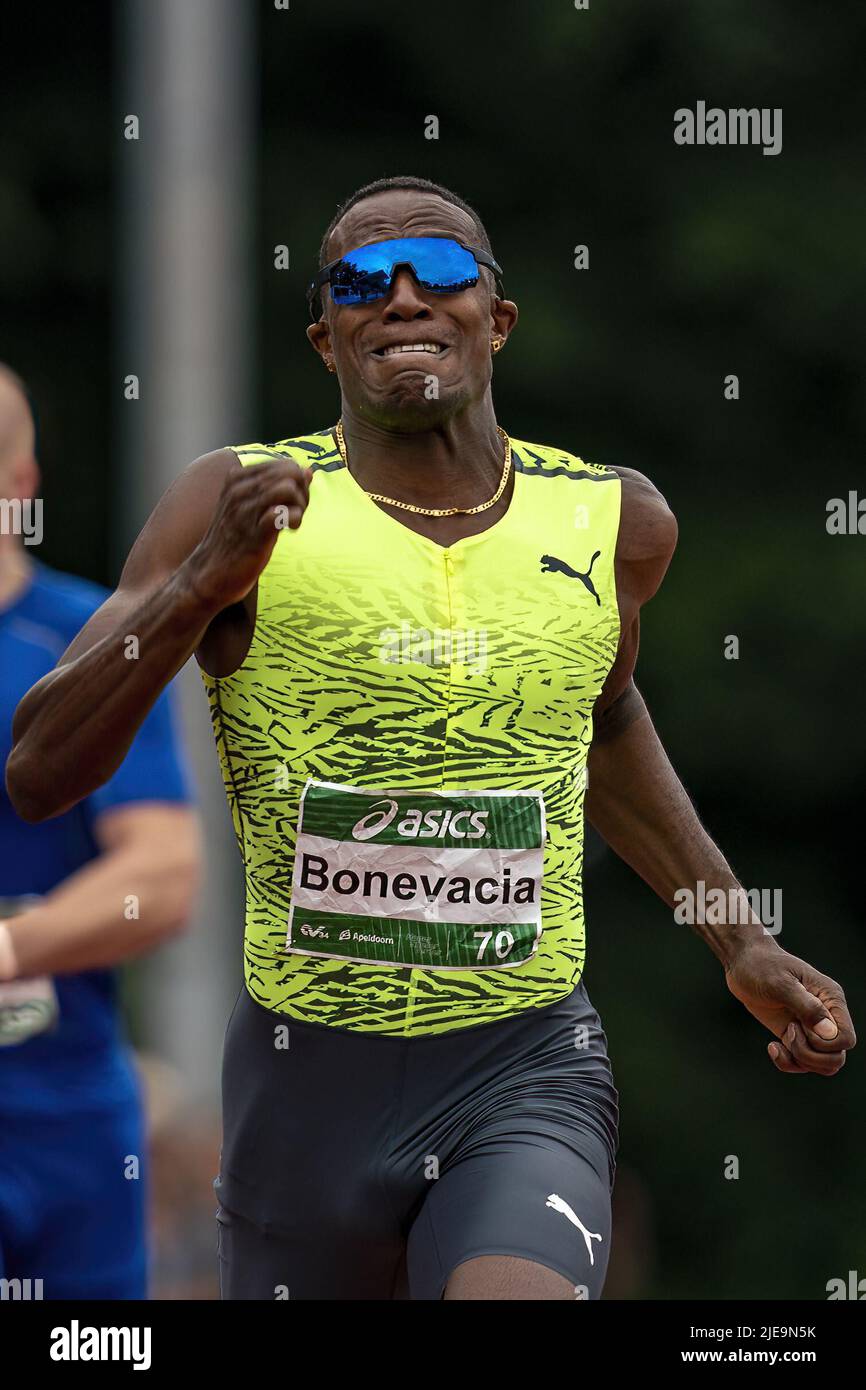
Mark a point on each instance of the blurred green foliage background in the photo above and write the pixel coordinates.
(557, 124)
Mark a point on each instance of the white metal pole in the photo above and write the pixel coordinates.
(186, 74)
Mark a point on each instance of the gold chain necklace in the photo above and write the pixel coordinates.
(435, 511)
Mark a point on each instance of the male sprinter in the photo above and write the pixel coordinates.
(411, 651)
(72, 1202)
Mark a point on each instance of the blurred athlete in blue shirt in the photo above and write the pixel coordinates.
(108, 880)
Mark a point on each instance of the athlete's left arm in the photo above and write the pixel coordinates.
(638, 804)
(136, 893)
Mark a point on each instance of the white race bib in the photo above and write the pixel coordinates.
(436, 880)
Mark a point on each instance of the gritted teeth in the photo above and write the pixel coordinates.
(407, 347)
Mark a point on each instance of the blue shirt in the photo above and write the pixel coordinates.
(83, 1059)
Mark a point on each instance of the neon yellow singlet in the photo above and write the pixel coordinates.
(381, 660)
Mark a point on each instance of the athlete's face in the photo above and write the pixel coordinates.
(416, 390)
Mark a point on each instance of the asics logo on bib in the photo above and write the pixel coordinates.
(421, 825)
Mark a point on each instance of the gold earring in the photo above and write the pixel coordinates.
(496, 344)
(329, 363)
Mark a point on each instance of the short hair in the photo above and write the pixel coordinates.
(410, 182)
(384, 186)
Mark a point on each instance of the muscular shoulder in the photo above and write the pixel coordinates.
(208, 472)
(197, 488)
(180, 518)
(647, 526)
(647, 531)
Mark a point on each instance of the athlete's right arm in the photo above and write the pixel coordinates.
(199, 556)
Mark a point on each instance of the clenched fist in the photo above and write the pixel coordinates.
(255, 504)
(805, 1009)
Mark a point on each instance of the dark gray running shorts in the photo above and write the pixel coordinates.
(356, 1166)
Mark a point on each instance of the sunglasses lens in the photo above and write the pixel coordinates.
(363, 274)
(439, 264)
(443, 266)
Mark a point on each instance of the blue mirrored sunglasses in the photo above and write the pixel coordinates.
(438, 263)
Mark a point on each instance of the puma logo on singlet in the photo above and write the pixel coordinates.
(549, 563)
(559, 1205)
